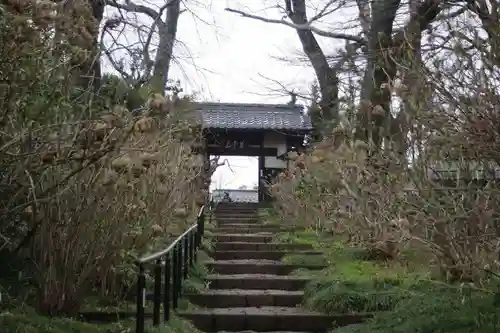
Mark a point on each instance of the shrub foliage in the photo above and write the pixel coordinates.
(86, 184)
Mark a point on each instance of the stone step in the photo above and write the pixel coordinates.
(255, 266)
(269, 255)
(256, 281)
(227, 298)
(232, 212)
(249, 223)
(256, 332)
(236, 205)
(248, 228)
(253, 246)
(259, 226)
(232, 220)
(244, 210)
(254, 212)
(248, 231)
(248, 238)
(237, 214)
(260, 319)
(237, 219)
(239, 203)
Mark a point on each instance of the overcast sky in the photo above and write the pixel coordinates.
(225, 57)
(232, 57)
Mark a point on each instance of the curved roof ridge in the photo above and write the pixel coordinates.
(234, 105)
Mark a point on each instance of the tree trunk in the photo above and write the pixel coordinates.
(167, 35)
(380, 71)
(94, 65)
(326, 75)
(387, 52)
(414, 98)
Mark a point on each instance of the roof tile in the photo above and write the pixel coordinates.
(253, 116)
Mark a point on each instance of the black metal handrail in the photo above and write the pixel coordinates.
(171, 267)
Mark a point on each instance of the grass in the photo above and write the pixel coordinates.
(350, 284)
(442, 311)
(311, 260)
(269, 216)
(267, 213)
(176, 325)
(197, 274)
(403, 296)
(299, 237)
(22, 319)
(27, 321)
(19, 321)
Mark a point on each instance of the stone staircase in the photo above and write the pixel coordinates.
(250, 289)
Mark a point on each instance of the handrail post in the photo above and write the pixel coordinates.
(179, 269)
(192, 251)
(185, 261)
(196, 236)
(200, 228)
(166, 289)
(197, 239)
(175, 276)
(210, 210)
(157, 293)
(141, 295)
(201, 224)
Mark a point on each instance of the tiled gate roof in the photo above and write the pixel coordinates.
(253, 116)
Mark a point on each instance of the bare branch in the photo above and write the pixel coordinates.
(306, 26)
(283, 90)
(130, 6)
(327, 10)
(156, 72)
(107, 26)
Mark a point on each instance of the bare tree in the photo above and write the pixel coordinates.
(145, 69)
(387, 52)
(327, 73)
(384, 49)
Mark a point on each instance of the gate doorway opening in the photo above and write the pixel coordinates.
(239, 177)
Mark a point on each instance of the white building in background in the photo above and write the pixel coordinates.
(236, 195)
